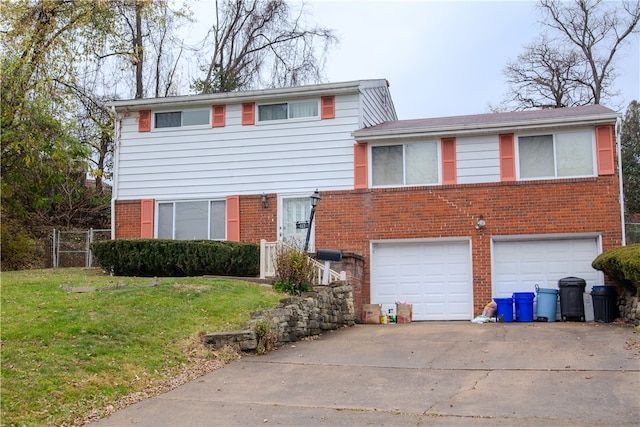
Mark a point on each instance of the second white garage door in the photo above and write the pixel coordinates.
(433, 276)
(520, 265)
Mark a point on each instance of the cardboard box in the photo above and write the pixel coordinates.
(404, 313)
(371, 313)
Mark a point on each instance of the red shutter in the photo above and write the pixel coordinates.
(360, 166)
(449, 173)
(328, 107)
(507, 158)
(146, 218)
(248, 114)
(218, 116)
(233, 218)
(144, 121)
(604, 148)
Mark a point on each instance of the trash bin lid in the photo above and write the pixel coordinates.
(604, 290)
(572, 281)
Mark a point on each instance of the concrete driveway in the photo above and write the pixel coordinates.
(425, 373)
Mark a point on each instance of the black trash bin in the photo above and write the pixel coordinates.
(571, 298)
(605, 303)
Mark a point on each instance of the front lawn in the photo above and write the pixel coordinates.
(67, 354)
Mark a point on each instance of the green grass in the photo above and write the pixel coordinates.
(65, 354)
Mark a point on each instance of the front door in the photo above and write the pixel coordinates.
(294, 221)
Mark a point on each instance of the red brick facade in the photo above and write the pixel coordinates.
(349, 220)
(126, 219)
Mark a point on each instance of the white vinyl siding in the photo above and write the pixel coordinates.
(199, 162)
(478, 159)
(377, 106)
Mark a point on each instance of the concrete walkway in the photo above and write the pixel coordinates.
(426, 373)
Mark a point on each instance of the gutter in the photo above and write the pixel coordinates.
(482, 128)
(114, 189)
(620, 180)
(253, 95)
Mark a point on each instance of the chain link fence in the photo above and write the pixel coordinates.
(633, 232)
(72, 248)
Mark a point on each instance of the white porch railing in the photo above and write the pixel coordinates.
(268, 252)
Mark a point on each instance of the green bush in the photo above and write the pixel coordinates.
(174, 258)
(18, 246)
(294, 271)
(621, 264)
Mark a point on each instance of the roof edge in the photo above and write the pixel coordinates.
(482, 128)
(254, 95)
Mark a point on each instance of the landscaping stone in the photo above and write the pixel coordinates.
(328, 307)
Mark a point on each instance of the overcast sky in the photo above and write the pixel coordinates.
(441, 58)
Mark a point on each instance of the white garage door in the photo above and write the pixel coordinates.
(518, 265)
(433, 276)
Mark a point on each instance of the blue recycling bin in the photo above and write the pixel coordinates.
(504, 309)
(524, 306)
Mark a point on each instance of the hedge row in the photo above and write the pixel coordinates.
(167, 258)
(621, 264)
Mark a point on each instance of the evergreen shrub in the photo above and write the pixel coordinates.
(621, 264)
(177, 258)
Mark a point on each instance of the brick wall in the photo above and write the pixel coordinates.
(349, 220)
(126, 219)
(256, 221)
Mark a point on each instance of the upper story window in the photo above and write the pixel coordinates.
(182, 118)
(288, 110)
(405, 164)
(568, 154)
(194, 220)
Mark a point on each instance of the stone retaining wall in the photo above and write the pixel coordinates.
(326, 308)
(629, 304)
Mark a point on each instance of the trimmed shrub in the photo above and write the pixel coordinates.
(176, 258)
(621, 264)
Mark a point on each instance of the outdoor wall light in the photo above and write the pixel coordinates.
(481, 223)
(263, 199)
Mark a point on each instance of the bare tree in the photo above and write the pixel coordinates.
(545, 77)
(261, 42)
(575, 63)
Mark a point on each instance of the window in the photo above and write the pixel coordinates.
(290, 110)
(568, 154)
(196, 220)
(182, 118)
(405, 164)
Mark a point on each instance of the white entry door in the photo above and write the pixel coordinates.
(294, 221)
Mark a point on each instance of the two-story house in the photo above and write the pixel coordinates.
(445, 213)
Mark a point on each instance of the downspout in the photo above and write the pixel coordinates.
(114, 188)
(620, 182)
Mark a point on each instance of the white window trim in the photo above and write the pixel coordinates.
(404, 175)
(555, 160)
(174, 128)
(287, 120)
(156, 215)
